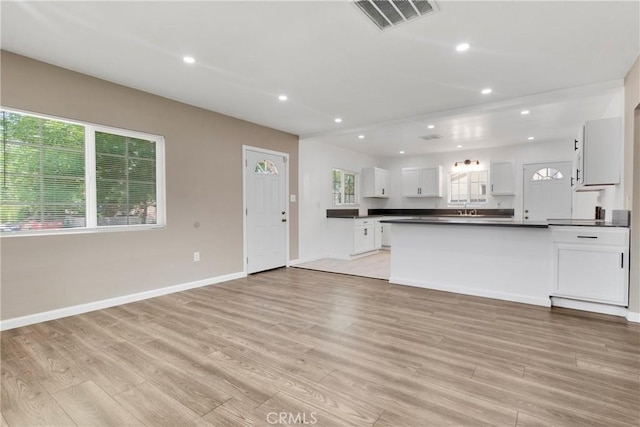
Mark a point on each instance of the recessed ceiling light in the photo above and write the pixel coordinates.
(402, 152)
(431, 126)
(462, 47)
(283, 97)
(337, 120)
(360, 136)
(487, 91)
(458, 146)
(524, 112)
(189, 59)
(531, 138)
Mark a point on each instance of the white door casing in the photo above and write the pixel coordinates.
(266, 209)
(549, 196)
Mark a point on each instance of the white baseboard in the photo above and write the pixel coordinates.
(308, 259)
(472, 291)
(633, 317)
(593, 307)
(17, 322)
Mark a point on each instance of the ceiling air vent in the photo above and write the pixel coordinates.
(389, 13)
(431, 137)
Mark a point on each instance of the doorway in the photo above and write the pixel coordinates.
(547, 191)
(266, 209)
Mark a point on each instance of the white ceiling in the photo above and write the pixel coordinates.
(332, 62)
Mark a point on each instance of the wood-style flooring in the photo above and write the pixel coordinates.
(376, 266)
(294, 346)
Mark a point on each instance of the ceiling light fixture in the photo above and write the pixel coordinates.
(531, 138)
(431, 126)
(337, 120)
(462, 47)
(283, 97)
(189, 59)
(524, 112)
(487, 91)
(402, 152)
(360, 136)
(458, 146)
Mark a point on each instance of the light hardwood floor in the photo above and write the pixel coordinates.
(338, 350)
(376, 266)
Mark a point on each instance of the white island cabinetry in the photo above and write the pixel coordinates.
(591, 264)
(499, 261)
(350, 238)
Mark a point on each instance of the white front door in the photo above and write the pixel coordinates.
(547, 191)
(266, 214)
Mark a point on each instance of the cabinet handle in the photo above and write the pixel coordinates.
(365, 231)
(587, 237)
(575, 145)
(492, 188)
(284, 220)
(381, 229)
(572, 181)
(622, 260)
(577, 174)
(383, 191)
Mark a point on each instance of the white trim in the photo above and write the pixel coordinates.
(299, 261)
(472, 291)
(17, 322)
(633, 317)
(589, 306)
(91, 192)
(246, 148)
(81, 230)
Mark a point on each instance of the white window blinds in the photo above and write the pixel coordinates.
(57, 174)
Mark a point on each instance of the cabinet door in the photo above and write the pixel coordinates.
(579, 169)
(430, 182)
(386, 234)
(411, 182)
(592, 273)
(381, 182)
(601, 153)
(363, 239)
(502, 179)
(379, 228)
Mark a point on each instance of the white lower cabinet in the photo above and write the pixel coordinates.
(592, 264)
(349, 237)
(379, 233)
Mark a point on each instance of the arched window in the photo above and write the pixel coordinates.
(546, 174)
(266, 167)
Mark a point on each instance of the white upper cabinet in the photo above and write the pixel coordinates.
(375, 182)
(502, 179)
(598, 155)
(422, 182)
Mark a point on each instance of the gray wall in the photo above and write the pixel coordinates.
(204, 184)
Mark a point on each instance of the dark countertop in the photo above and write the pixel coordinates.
(468, 221)
(584, 223)
(354, 216)
(498, 223)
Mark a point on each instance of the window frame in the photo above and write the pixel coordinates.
(356, 194)
(468, 202)
(91, 211)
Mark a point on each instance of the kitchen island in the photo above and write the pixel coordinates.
(508, 260)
